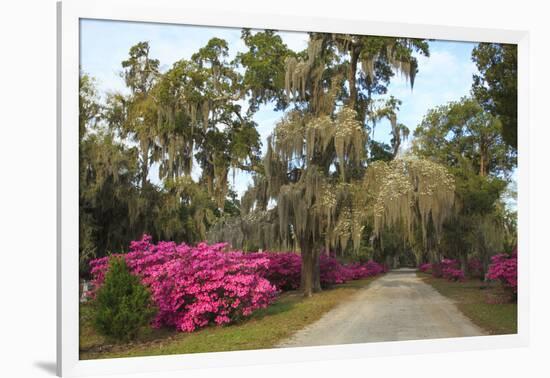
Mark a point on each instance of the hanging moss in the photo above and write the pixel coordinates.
(412, 192)
(323, 134)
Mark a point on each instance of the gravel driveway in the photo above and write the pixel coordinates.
(396, 306)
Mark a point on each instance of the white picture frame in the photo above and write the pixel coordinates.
(165, 11)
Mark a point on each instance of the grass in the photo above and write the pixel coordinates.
(264, 329)
(471, 297)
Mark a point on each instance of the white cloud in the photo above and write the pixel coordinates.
(444, 76)
(296, 41)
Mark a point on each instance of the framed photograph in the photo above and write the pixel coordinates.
(241, 188)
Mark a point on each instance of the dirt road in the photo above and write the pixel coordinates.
(396, 306)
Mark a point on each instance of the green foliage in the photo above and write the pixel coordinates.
(468, 139)
(108, 200)
(139, 69)
(478, 194)
(88, 104)
(122, 304)
(461, 133)
(167, 120)
(496, 85)
(185, 211)
(380, 151)
(107, 171)
(477, 227)
(264, 65)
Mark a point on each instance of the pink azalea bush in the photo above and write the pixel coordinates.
(425, 267)
(504, 267)
(195, 286)
(332, 272)
(447, 268)
(369, 269)
(284, 269)
(207, 284)
(453, 274)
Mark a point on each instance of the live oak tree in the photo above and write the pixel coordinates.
(164, 121)
(333, 85)
(351, 69)
(477, 226)
(201, 118)
(306, 147)
(138, 122)
(107, 174)
(315, 168)
(229, 138)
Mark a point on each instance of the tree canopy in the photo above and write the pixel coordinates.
(159, 157)
(496, 85)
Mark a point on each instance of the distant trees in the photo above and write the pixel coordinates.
(461, 132)
(468, 140)
(496, 85)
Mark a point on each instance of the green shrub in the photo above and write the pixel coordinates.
(122, 305)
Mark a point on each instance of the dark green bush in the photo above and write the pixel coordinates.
(122, 305)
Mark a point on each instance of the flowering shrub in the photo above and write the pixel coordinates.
(284, 269)
(447, 268)
(504, 268)
(450, 269)
(196, 286)
(453, 274)
(358, 271)
(425, 267)
(332, 272)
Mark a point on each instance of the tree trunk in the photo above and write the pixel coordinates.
(310, 280)
(316, 270)
(485, 263)
(306, 279)
(464, 263)
(144, 164)
(351, 79)
(144, 174)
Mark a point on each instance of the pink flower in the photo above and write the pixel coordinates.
(193, 287)
(504, 268)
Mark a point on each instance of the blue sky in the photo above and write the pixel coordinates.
(446, 75)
